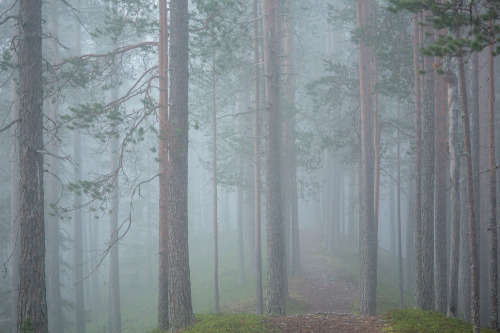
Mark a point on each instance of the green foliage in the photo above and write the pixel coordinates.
(417, 320)
(472, 26)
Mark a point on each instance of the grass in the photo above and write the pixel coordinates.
(416, 321)
(232, 323)
(228, 323)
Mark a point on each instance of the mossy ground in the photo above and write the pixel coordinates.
(416, 321)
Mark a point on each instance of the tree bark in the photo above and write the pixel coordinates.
(179, 283)
(417, 206)
(474, 260)
(424, 295)
(454, 154)
(14, 210)
(492, 193)
(78, 221)
(275, 237)
(440, 243)
(115, 325)
(32, 304)
(256, 148)
(163, 324)
(368, 244)
(400, 247)
(214, 193)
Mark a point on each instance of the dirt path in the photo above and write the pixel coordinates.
(330, 299)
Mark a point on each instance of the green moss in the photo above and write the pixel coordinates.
(416, 321)
(229, 323)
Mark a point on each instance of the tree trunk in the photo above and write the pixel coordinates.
(465, 251)
(115, 325)
(454, 154)
(31, 305)
(424, 295)
(240, 193)
(417, 206)
(78, 221)
(474, 260)
(14, 210)
(275, 239)
(441, 272)
(492, 194)
(400, 247)
(214, 193)
(163, 173)
(256, 148)
(410, 231)
(179, 283)
(367, 230)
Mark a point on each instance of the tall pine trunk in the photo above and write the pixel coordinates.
(179, 282)
(368, 244)
(32, 304)
(14, 210)
(163, 324)
(256, 148)
(424, 295)
(474, 258)
(454, 154)
(493, 277)
(276, 283)
(115, 325)
(440, 243)
(417, 205)
(214, 194)
(78, 220)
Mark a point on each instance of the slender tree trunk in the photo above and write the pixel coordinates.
(179, 283)
(400, 247)
(163, 324)
(241, 201)
(115, 325)
(465, 251)
(376, 144)
(256, 149)
(492, 194)
(474, 260)
(425, 284)
(276, 283)
(96, 294)
(32, 304)
(14, 210)
(454, 154)
(367, 230)
(78, 221)
(214, 193)
(392, 218)
(410, 231)
(418, 159)
(440, 244)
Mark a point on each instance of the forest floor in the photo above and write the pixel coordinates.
(331, 297)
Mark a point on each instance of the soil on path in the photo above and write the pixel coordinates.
(330, 298)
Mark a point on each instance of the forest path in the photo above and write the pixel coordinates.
(330, 298)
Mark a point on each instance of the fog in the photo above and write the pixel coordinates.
(348, 150)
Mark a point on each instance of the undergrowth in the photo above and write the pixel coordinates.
(417, 321)
(228, 323)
